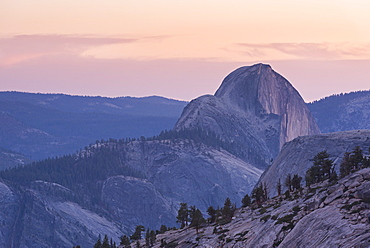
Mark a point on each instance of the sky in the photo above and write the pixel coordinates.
(181, 49)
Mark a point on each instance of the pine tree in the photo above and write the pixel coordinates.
(182, 215)
(278, 187)
(197, 219)
(313, 175)
(296, 182)
(98, 243)
(147, 238)
(152, 237)
(258, 194)
(227, 210)
(105, 242)
(137, 233)
(212, 214)
(191, 213)
(366, 160)
(246, 201)
(345, 166)
(288, 182)
(321, 170)
(125, 241)
(163, 229)
(352, 162)
(357, 159)
(265, 192)
(324, 163)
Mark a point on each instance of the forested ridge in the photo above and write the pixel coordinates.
(84, 171)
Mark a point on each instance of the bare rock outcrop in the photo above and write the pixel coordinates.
(255, 109)
(296, 157)
(174, 171)
(306, 219)
(46, 214)
(40, 216)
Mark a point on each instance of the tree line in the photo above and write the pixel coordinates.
(189, 216)
(322, 169)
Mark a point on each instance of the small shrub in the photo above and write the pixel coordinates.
(172, 244)
(287, 194)
(349, 206)
(308, 196)
(222, 237)
(356, 211)
(265, 218)
(277, 243)
(242, 234)
(223, 231)
(296, 209)
(263, 210)
(223, 221)
(288, 227)
(277, 205)
(312, 190)
(287, 218)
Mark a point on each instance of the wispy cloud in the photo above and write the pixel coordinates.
(318, 51)
(21, 48)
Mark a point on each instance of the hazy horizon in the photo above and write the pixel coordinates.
(181, 50)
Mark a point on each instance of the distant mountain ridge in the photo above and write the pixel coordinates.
(46, 125)
(150, 105)
(343, 112)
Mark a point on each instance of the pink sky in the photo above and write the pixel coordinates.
(181, 49)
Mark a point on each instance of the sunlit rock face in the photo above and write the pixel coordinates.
(256, 109)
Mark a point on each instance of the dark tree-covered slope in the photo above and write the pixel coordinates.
(343, 112)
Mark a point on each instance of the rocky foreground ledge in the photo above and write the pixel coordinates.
(324, 215)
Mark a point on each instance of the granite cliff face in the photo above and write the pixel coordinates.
(327, 215)
(256, 109)
(41, 216)
(296, 157)
(168, 172)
